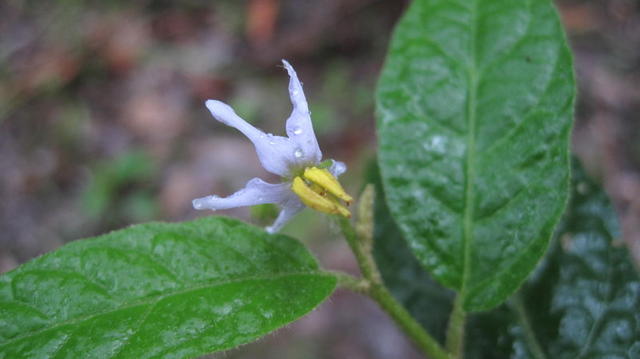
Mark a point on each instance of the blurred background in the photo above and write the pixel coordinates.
(102, 123)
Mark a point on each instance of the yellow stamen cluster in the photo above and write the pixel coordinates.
(320, 190)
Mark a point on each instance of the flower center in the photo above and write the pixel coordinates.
(320, 190)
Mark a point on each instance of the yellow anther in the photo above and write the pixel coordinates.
(323, 178)
(342, 210)
(317, 189)
(316, 200)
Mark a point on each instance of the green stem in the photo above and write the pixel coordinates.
(365, 259)
(377, 291)
(350, 282)
(407, 323)
(455, 331)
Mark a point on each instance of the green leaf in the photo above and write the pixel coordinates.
(474, 107)
(582, 302)
(158, 290)
(425, 299)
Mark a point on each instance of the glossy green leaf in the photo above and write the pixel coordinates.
(425, 299)
(474, 109)
(158, 290)
(584, 300)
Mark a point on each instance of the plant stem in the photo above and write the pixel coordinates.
(350, 282)
(455, 331)
(365, 259)
(377, 291)
(406, 322)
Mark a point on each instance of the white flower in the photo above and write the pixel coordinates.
(296, 158)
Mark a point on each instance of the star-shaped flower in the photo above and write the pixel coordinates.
(296, 158)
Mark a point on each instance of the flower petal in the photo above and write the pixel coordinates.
(337, 168)
(299, 126)
(288, 209)
(255, 192)
(276, 153)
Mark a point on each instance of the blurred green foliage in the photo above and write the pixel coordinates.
(341, 96)
(121, 187)
(264, 214)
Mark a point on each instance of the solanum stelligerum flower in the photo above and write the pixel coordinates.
(296, 158)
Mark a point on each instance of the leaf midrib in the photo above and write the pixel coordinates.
(155, 299)
(598, 322)
(469, 194)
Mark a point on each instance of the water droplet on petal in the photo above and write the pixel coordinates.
(297, 131)
(204, 202)
(338, 168)
(297, 153)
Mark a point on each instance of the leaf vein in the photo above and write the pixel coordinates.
(515, 44)
(432, 192)
(158, 264)
(63, 344)
(149, 300)
(502, 206)
(599, 320)
(137, 327)
(469, 195)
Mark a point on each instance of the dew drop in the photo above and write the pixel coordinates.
(223, 310)
(297, 153)
(297, 131)
(205, 202)
(267, 314)
(338, 168)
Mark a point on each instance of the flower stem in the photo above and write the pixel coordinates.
(407, 323)
(377, 291)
